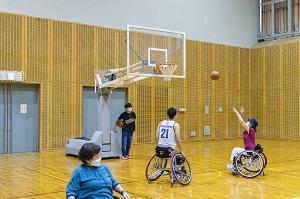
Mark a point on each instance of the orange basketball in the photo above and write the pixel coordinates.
(120, 124)
(215, 75)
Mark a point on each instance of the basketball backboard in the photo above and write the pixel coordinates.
(151, 52)
(147, 47)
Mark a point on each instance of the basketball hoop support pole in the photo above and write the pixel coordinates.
(110, 146)
(97, 80)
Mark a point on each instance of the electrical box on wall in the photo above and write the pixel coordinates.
(6, 75)
(193, 133)
(206, 130)
(182, 109)
(206, 110)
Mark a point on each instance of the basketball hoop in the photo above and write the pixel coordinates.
(167, 69)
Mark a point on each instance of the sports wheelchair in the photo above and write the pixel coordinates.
(250, 163)
(179, 169)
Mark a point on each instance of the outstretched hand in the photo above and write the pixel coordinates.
(242, 109)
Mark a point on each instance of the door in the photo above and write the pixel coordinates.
(90, 110)
(19, 116)
(3, 118)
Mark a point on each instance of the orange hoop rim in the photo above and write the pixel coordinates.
(166, 69)
(159, 66)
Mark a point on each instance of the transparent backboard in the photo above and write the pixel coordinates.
(147, 47)
(150, 52)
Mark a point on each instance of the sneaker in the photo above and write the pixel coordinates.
(124, 158)
(129, 157)
(230, 167)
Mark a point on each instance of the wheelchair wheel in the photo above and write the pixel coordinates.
(155, 168)
(181, 169)
(249, 164)
(264, 158)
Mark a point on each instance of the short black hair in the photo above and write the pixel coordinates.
(87, 151)
(171, 112)
(128, 105)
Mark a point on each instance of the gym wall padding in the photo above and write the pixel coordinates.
(61, 57)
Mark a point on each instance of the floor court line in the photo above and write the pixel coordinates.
(42, 175)
(49, 175)
(35, 195)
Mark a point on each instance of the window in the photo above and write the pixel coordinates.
(278, 18)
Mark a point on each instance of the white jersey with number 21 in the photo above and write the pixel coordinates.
(167, 134)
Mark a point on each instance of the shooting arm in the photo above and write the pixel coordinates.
(243, 123)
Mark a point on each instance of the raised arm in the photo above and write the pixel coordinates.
(246, 127)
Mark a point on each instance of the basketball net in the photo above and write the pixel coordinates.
(167, 69)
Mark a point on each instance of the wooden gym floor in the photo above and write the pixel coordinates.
(45, 174)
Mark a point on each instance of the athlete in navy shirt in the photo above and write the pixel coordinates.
(128, 118)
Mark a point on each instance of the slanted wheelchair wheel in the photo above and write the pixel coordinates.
(181, 169)
(155, 168)
(249, 164)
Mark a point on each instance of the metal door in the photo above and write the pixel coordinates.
(3, 119)
(90, 108)
(19, 118)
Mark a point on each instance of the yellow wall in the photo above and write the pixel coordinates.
(61, 57)
(275, 89)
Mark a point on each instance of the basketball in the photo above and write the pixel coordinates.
(120, 124)
(215, 75)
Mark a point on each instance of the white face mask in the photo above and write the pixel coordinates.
(96, 162)
(129, 109)
(248, 123)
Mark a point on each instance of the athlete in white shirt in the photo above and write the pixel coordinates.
(168, 132)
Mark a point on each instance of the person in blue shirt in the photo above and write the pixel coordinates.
(92, 180)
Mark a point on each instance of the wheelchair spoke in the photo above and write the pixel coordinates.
(155, 168)
(249, 164)
(181, 169)
(155, 174)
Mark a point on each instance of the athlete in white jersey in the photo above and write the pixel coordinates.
(168, 132)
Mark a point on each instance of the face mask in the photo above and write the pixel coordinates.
(96, 162)
(129, 109)
(248, 123)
